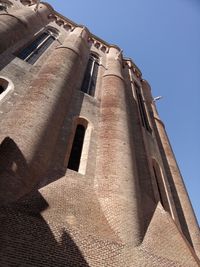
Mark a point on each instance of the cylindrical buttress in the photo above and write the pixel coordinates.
(16, 25)
(116, 174)
(33, 125)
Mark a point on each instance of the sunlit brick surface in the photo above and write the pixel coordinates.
(109, 213)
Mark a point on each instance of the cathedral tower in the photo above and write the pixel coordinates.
(87, 173)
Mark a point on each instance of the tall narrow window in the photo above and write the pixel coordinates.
(158, 186)
(161, 189)
(34, 50)
(75, 155)
(90, 78)
(142, 109)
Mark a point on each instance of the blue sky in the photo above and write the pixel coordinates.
(162, 37)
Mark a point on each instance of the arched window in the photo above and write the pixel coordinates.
(156, 173)
(6, 87)
(4, 5)
(2, 89)
(90, 77)
(36, 48)
(76, 150)
(142, 109)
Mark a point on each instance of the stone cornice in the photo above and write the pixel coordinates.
(69, 25)
(131, 65)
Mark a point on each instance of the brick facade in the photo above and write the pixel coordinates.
(127, 204)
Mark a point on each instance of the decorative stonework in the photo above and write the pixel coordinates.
(131, 65)
(70, 27)
(112, 210)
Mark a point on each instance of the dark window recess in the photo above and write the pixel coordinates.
(158, 186)
(90, 77)
(35, 49)
(142, 109)
(1, 89)
(75, 156)
(3, 7)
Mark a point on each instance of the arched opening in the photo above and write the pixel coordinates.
(1, 89)
(4, 4)
(37, 47)
(3, 85)
(142, 108)
(76, 150)
(156, 173)
(90, 77)
(6, 87)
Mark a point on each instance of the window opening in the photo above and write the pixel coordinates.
(35, 49)
(2, 89)
(90, 77)
(75, 156)
(3, 7)
(158, 186)
(142, 109)
(6, 87)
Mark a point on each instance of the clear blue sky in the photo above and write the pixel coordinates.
(163, 38)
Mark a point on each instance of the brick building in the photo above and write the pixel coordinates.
(87, 173)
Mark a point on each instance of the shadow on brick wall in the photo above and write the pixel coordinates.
(25, 237)
(148, 202)
(27, 240)
(145, 195)
(17, 177)
(177, 202)
(13, 171)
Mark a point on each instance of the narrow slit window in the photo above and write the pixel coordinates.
(90, 77)
(142, 109)
(36, 48)
(158, 186)
(75, 156)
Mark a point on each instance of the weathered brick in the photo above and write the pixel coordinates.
(109, 213)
